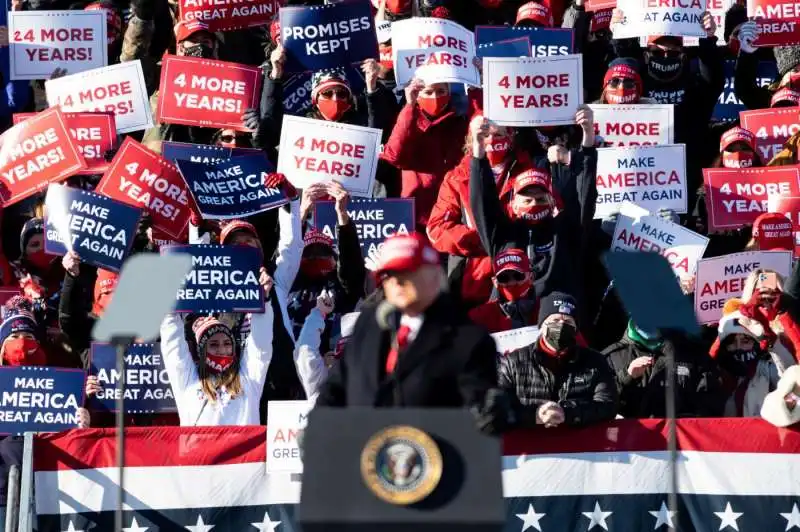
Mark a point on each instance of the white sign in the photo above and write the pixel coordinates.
(287, 419)
(680, 18)
(722, 278)
(633, 125)
(652, 177)
(717, 8)
(117, 89)
(532, 91)
(636, 231)
(508, 341)
(435, 50)
(312, 151)
(41, 41)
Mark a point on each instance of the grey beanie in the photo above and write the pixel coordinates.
(787, 57)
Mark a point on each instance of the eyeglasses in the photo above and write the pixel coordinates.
(660, 52)
(626, 83)
(341, 94)
(510, 276)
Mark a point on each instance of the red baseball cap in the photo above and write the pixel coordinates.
(535, 12)
(236, 225)
(785, 95)
(737, 134)
(185, 29)
(512, 259)
(534, 177)
(775, 231)
(406, 253)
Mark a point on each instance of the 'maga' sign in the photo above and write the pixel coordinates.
(224, 15)
(39, 399)
(202, 153)
(544, 41)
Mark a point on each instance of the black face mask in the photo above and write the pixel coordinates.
(561, 336)
(664, 68)
(199, 50)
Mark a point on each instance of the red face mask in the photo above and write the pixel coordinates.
(514, 292)
(217, 364)
(23, 351)
(794, 80)
(39, 259)
(434, 106)
(317, 267)
(734, 45)
(535, 214)
(497, 150)
(738, 159)
(621, 95)
(332, 110)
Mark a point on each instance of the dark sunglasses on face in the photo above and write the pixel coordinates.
(510, 276)
(340, 94)
(230, 138)
(671, 54)
(626, 83)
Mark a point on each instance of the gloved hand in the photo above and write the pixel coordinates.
(251, 119)
(747, 34)
(278, 180)
(609, 223)
(496, 415)
(373, 259)
(143, 9)
(668, 215)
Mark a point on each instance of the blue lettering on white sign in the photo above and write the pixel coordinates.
(544, 41)
(39, 399)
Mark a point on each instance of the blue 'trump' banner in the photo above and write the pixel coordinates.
(232, 188)
(147, 387)
(223, 279)
(544, 41)
(202, 153)
(39, 399)
(297, 90)
(100, 230)
(321, 37)
(520, 47)
(375, 219)
(728, 105)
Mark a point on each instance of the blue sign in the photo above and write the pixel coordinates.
(233, 188)
(297, 90)
(223, 279)
(202, 153)
(520, 47)
(147, 387)
(728, 105)
(320, 37)
(544, 41)
(100, 230)
(375, 220)
(39, 399)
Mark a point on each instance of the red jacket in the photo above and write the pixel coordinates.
(491, 316)
(425, 150)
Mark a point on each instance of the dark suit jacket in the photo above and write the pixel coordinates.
(451, 363)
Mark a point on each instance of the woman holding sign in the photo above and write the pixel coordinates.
(224, 387)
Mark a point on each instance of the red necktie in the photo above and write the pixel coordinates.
(401, 341)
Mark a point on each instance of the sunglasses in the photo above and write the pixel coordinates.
(341, 94)
(230, 138)
(510, 276)
(671, 54)
(626, 83)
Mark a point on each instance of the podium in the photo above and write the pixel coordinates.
(419, 470)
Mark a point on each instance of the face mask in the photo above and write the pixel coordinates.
(794, 80)
(217, 364)
(497, 150)
(23, 352)
(40, 259)
(535, 214)
(738, 159)
(332, 110)
(318, 267)
(734, 45)
(434, 106)
(199, 50)
(664, 67)
(744, 355)
(561, 336)
(514, 292)
(621, 95)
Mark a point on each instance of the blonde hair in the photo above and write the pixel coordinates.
(752, 279)
(211, 383)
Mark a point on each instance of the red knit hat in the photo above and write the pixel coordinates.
(624, 70)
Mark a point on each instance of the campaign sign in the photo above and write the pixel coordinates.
(297, 94)
(514, 339)
(722, 278)
(637, 231)
(728, 105)
(312, 151)
(520, 47)
(601, 19)
(777, 32)
(320, 37)
(99, 229)
(223, 279)
(773, 9)
(143, 179)
(652, 177)
(35, 153)
(681, 18)
(436, 50)
(772, 128)
(147, 388)
(544, 41)
(206, 93)
(232, 188)
(600, 5)
(633, 125)
(717, 10)
(735, 197)
(94, 135)
(42, 41)
(375, 220)
(287, 420)
(224, 15)
(789, 206)
(117, 89)
(202, 153)
(532, 92)
(39, 399)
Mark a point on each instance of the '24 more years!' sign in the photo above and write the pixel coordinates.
(39, 399)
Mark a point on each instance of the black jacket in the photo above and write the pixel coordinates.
(581, 383)
(451, 363)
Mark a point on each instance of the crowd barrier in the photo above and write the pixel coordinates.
(733, 474)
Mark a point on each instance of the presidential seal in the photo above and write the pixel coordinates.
(401, 465)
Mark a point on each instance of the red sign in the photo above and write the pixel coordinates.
(35, 153)
(93, 133)
(597, 5)
(222, 15)
(202, 92)
(790, 207)
(773, 9)
(141, 178)
(735, 197)
(772, 128)
(772, 32)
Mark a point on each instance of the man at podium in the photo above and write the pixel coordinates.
(417, 348)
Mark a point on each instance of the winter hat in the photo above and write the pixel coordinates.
(323, 80)
(557, 303)
(33, 227)
(737, 134)
(317, 237)
(16, 320)
(773, 230)
(535, 12)
(738, 323)
(206, 327)
(233, 226)
(786, 57)
(185, 29)
(625, 68)
(734, 17)
(103, 288)
(784, 96)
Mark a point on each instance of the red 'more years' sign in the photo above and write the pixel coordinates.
(222, 15)
(35, 153)
(142, 178)
(772, 128)
(94, 134)
(206, 93)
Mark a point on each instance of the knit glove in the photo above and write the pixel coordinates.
(747, 34)
(251, 119)
(609, 223)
